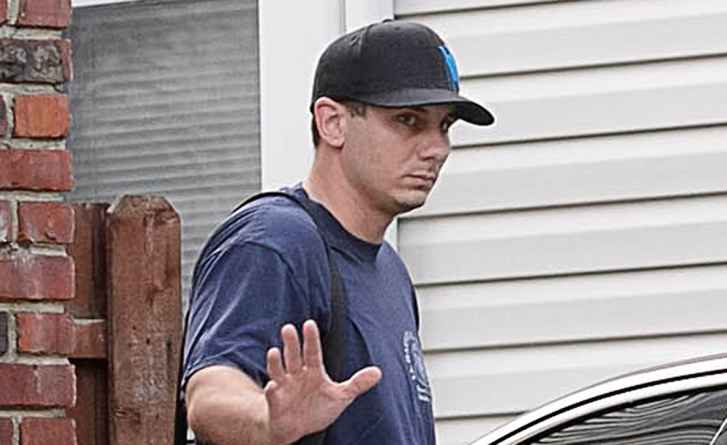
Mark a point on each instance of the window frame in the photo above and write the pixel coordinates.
(693, 375)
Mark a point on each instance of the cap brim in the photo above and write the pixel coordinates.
(465, 109)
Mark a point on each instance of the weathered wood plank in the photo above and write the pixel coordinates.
(91, 410)
(88, 251)
(3, 332)
(89, 349)
(143, 236)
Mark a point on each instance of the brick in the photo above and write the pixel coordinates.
(38, 170)
(6, 431)
(45, 13)
(39, 386)
(45, 222)
(37, 61)
(41, 116)
(45, 333)
(44, 431)
(3, 333)
(25, 276)
(60, 334)
(5, 222)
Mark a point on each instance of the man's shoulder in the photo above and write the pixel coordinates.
(276, 222)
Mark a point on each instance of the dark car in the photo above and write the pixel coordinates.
(683, 403)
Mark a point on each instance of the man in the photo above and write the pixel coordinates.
(383, 101)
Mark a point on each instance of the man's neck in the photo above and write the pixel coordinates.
(349, 208)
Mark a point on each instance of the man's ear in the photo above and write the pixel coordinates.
(330, 121)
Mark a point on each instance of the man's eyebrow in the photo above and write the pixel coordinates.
(419, 109)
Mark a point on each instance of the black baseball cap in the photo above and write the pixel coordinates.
(394, 64)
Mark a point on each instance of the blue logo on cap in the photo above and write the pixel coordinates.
(452, 74)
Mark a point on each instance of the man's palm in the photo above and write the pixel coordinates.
(302, 398)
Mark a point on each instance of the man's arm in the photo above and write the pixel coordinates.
(226, 407)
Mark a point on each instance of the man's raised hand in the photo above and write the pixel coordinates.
(302, 398)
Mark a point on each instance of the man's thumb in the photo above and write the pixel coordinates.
(362, 381)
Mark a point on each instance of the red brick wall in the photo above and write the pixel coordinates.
(37, 381)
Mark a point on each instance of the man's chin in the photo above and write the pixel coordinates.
(412, 200)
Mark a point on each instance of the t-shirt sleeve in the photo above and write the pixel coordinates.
(242, 296)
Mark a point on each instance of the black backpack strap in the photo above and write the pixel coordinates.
(415, 306)
(333, 341)
(180, 410)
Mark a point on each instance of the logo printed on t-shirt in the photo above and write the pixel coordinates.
(415, 363)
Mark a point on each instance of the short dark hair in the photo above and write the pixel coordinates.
(354, 109)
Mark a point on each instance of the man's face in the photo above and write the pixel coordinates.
(393, 155)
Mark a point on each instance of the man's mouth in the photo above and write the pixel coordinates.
(425, 178)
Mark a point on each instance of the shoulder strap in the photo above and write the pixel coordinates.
(333, 341)
(415, 306)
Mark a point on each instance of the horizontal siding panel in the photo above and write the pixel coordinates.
(585, 33)
(599, 307)
(541, 174)
(513, 380)
(465, 431)
(598, 101)
(565, 240)
(410, 7)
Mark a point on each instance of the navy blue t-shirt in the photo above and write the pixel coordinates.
(267, 266)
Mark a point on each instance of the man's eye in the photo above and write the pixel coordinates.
(407, 119)
(447, 124)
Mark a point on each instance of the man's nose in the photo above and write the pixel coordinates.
(437, 145)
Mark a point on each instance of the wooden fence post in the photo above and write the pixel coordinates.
(88, 308)
(144, 305)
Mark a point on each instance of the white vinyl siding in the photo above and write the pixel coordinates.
(581, 236)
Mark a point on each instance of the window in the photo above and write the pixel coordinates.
(165, 100)
(684, 419)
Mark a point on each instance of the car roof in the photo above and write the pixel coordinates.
(694, 367)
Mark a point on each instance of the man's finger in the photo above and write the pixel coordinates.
(312, 354)
(291, 348)
(362, 381)
(275, 364)
(270, 387)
